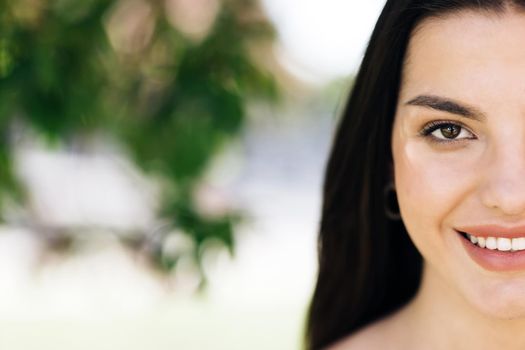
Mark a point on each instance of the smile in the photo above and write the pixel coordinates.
(502, 244)
(495, 253)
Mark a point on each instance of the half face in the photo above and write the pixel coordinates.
(458, 145)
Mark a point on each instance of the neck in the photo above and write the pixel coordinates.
(439, 318)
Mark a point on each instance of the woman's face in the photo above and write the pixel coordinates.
(458, 145)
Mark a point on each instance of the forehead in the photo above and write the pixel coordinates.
(465, 54)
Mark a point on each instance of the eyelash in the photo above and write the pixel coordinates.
(432, 126)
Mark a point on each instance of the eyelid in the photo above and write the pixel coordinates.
(427, 130)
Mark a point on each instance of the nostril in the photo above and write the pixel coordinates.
(508, 197)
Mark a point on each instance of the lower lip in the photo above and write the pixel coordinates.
(494, 260)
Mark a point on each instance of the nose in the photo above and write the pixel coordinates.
(504, 185)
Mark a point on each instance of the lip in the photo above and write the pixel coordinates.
(494, 260)
(494, 231)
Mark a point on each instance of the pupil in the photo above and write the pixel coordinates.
(450, 131)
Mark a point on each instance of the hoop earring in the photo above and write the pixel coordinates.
(390, 197)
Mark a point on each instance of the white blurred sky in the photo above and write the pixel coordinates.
(323, 39)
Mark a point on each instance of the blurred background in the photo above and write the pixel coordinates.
(161, 165)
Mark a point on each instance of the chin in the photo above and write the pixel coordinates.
(505, 312)
(504, 300)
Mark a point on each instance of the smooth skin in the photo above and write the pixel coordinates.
(470, 171)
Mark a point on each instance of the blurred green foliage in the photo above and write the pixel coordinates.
(70, 69)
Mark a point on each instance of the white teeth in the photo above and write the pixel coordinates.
(491, 243)
(518, 243)
(499, 243)
(482, 242)
(504, 244)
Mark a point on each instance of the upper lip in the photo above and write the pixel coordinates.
(494, 231)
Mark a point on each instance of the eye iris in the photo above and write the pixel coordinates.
(450, 131)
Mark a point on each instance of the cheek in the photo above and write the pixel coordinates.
(430, 184)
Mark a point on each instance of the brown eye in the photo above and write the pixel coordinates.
(446, 131)
(450, 131)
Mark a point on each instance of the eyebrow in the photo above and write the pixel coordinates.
(447, 105)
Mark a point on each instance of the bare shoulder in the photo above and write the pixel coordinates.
(370, 337)
(384, 334)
